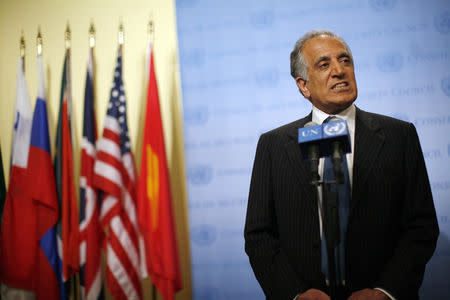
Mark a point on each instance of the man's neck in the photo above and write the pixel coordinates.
(348, 114)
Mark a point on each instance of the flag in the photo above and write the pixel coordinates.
(18, 246)
(67, 228)
(115, 176)
(2, 188)
(155, 212)
(43, 192)
(91, 279)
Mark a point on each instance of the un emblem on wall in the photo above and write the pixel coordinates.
(442, 22)
(203, 235)
(186, 3)
(382, 5)
(267, 78)
(197, 115)
(193, 57)
(401, 116)
(262, 19)
(390, 62)
(200, 175)
(445, 85)
(208, 293)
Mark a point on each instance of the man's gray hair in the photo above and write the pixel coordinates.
(299, 67)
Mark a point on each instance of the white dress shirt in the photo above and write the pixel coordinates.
(348, 115)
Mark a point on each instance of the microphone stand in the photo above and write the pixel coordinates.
(331, 230)
(331, 227)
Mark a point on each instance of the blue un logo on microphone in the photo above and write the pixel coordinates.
(309, 134)
(334, 128)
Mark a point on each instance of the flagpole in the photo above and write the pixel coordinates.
(67, 43)
(91, 50)
(22, 50)
(91, 36)
(151, 30)
(67, 37)
(151, 36)
(39, 42)
(121, 37)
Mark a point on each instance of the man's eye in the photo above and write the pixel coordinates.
(324, 65)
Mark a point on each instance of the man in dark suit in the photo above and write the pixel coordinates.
(392, 227)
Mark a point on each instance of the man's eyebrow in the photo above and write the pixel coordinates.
(327, 58)
(321, 59)
(343, 54)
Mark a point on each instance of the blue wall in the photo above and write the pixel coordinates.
(234, 58)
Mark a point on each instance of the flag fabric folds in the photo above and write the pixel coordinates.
(18, 246)
(155, 212)
(43, 192)
(67, 229)
(28, 245)
(91, 279)
(115, 176)
(2, 188)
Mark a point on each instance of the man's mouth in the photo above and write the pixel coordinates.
(340, 85)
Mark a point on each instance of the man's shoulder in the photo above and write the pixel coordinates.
(381, 120)
(287, 129)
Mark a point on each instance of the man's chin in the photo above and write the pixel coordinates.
(336, 107)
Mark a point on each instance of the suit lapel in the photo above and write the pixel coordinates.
(300, 167)
(369, 139)
(293, 150)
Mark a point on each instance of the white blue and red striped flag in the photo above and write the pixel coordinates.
(28, 239)
(91, 277)
(18, 245)
(43, 190)
(115, 176)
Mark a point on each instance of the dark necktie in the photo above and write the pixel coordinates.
(344, 195)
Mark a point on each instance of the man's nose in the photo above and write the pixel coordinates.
(338, 70)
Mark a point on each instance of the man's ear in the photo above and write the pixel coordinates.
(301, 83)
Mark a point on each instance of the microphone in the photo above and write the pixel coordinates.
(309, 139)
(336, 142)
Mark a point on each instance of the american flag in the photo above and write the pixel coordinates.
(115, 176)
(91, 279)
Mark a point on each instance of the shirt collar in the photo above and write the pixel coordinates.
(347, 114)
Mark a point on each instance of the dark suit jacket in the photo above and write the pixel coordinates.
(392, 229)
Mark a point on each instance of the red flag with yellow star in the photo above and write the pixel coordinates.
(155, 213)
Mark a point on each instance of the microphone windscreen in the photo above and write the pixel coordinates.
(310, 134)
(335, 130)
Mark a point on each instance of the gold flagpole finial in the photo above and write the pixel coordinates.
(67, 36)
(121, 34)
(151, 30)
(22, 45)
(92, 35)
(22, 50)
(39, 42)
